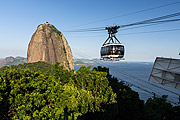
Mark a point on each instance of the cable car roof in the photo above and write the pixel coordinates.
(113, 44)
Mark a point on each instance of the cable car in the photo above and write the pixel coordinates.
(112, 49)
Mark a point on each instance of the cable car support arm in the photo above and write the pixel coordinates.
(111, 31)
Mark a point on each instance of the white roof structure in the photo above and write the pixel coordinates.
(166, 71)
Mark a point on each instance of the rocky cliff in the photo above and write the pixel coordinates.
(49, 45)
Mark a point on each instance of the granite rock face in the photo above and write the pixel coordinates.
(49, 45)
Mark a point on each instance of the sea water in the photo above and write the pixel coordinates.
(136, 75)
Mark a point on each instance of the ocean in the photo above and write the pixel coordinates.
(136, 75)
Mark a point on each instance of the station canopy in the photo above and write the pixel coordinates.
(166, 71)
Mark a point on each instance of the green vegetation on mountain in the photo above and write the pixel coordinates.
(44, 91)
(12, 61)
(17, 62)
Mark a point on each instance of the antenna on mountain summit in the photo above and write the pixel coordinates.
(47, 23)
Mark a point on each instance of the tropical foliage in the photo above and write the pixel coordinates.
(44, 91)
(31, 94)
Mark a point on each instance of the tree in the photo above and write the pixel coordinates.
(31, 94)
(160, 109)
(128, 106)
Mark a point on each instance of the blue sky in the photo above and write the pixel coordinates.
(19, 20)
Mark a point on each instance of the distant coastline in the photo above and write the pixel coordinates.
(80, 64)
(144, 63)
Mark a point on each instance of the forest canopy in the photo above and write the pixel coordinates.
(41, 90)
(44, 91)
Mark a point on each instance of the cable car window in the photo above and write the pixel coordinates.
(116, 47)
(108, 50)
(103, 50)
(121, 48)
(111, 47)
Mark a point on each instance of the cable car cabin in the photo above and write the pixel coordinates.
(114, 51)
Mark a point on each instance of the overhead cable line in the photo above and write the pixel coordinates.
(157, 20)
(128, 75)
(153, 20)
(131, 13)
(144, 32)
(156, 31)
(86, 29)
(149, 25)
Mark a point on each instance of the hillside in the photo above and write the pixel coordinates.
(12, 61)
